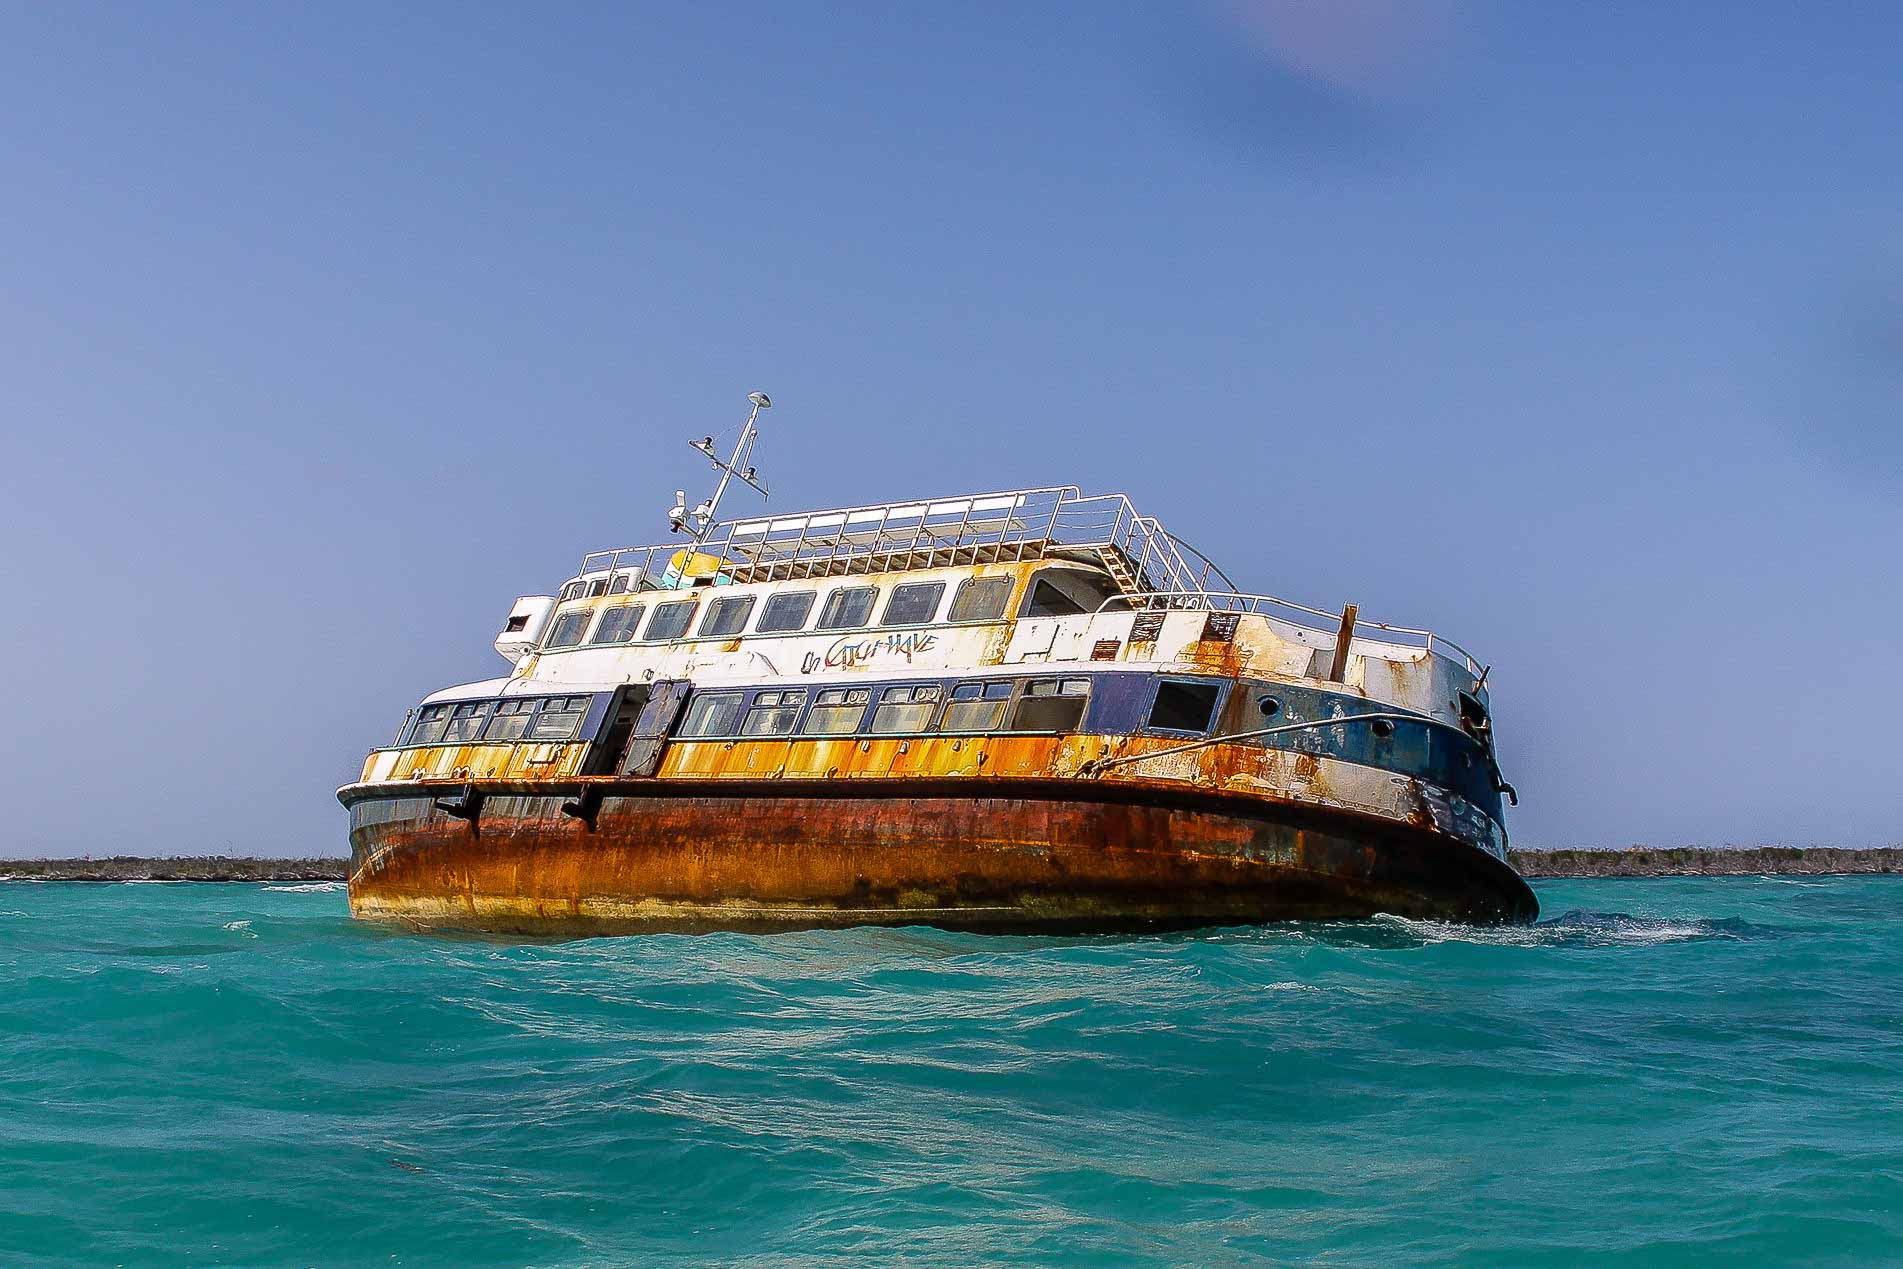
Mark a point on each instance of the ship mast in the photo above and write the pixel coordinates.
(700, 521)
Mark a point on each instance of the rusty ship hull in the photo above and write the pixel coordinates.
(1021, 856)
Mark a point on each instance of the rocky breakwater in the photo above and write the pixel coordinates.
(1698, 861)
(196, 868)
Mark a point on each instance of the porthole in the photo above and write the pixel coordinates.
(1382, 727)
(1269, 706)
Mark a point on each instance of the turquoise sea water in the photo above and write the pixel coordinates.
(1684, 1071)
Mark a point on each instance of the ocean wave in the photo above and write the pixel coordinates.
(309, 887)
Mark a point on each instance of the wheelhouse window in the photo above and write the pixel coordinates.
(774, 712)
(847, 608)
(574, 590)
(837, 711)
(430, 722)
(726, 617)
(560, 718)
(978, 706)
(914, 604)
(617, 625)
(620, 585)
(1051, 705)
(669, 621)
(509, 721)
(906, 710)
(465, 722)
(980, 599)
(1183, 706)
(566, 632)
(787, 610)
(1060, 592)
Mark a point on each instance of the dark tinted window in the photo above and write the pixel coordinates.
(617, 625)
(560, 718)
(786, 611)
(905, 710)
(847, 609)
(712, 714)
(1184, 706)
(509, 721)
(670, 620)
(465, 722)
(430, 722)
(1059, 592)
(1051, 705)
(774, 712)
(977, 706)
(566, 632)
(913, 604)
(726, 616)
(837, 711)
(980, 599)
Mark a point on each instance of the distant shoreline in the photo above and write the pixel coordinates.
(1636, 861)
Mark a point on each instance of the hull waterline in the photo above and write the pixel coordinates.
(1048, 856)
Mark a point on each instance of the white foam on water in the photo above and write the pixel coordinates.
(309, 887)
(1574, 929)
(241, 927)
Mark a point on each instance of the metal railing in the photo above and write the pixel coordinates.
(1278, 609)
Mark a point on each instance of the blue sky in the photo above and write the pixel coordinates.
(1573, 331)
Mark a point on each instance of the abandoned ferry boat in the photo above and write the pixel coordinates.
(1030, 710)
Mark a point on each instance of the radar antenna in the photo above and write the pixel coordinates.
(700, 520)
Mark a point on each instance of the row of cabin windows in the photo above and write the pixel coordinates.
(985, 705)
(847, 608)
(519, 718)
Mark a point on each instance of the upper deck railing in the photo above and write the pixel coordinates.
(1152, 567)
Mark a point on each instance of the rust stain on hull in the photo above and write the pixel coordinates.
(1016, 855)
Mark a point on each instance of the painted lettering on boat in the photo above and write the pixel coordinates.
(848, 652)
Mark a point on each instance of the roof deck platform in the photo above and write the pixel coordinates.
(1152, 567)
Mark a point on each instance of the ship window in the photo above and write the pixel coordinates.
(566, 632)
(596, 589)
(574, 590)
(905, 710)
(837, 711)
(774, 713)
(670, 621)
(977, 706)
(510, 720)
(430, 722)
(847, 608)
(1051, 705)
(914, 604)
(712, 714)
(465, 722)
(560, 718)
(1184, 706)
(787, 610)
(726, 616)
(620, 586)
(517, 623)
(617, 625)
(1060, 592)
(980, 599)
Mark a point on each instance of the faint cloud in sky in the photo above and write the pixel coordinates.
(1854, 406)
(1378, 50)
(1337, 79)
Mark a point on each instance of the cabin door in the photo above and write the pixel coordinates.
(666, 697)
(616, 727)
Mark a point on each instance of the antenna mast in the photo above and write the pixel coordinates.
(701, 518)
